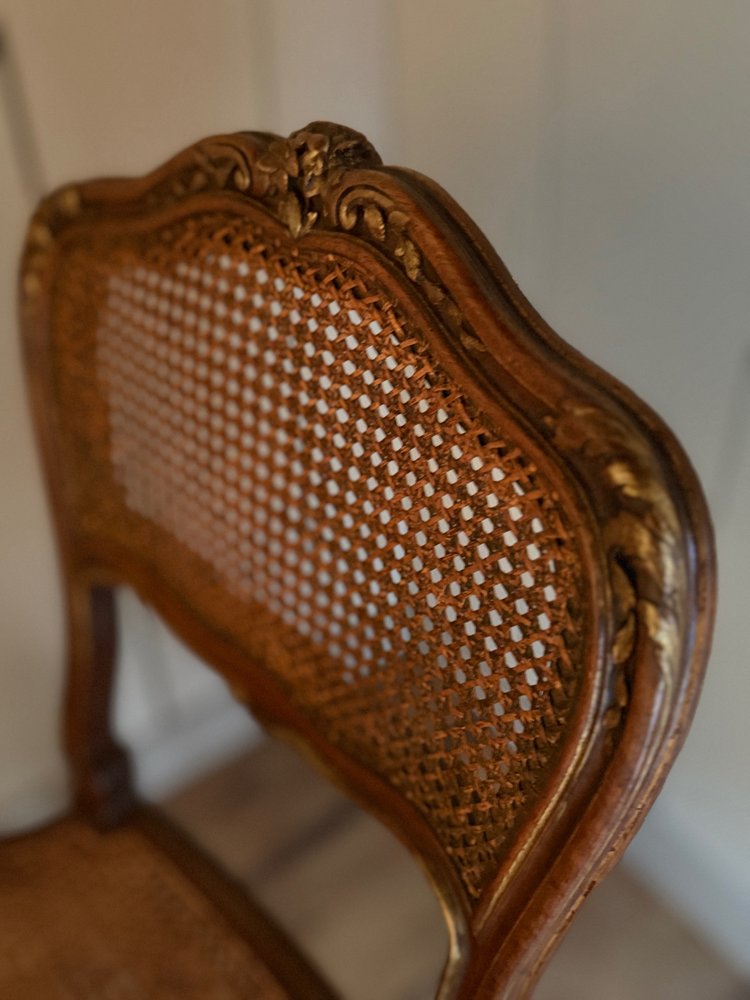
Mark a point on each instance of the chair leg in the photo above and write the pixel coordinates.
(102, 784)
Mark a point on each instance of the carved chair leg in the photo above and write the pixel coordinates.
(101, 769)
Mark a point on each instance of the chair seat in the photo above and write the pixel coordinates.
(114, 916)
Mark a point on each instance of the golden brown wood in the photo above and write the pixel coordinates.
(292, 397)
(100, 768)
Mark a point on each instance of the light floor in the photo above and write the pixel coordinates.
(359, 905)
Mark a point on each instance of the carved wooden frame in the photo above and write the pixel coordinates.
(642, 518)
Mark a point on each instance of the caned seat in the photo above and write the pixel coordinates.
(134, 913)
(292, 398)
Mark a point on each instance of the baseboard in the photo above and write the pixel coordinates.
(708, 890)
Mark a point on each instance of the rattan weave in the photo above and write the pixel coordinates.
(273, 427)
(110, 917)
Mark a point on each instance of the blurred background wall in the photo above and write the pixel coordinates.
(603, 145)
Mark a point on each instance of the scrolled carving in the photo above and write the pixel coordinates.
(641, 534)
(52, 214)
(372, 215)
(304, 181)
(295, 177)
(224, 164)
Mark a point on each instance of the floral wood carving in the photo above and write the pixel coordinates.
(304, 182)
(297, 178)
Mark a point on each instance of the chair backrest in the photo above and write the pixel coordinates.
(293, 398)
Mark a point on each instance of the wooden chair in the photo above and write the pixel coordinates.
(293, 399)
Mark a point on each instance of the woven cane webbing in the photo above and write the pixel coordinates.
(109, 917)
(283, 447)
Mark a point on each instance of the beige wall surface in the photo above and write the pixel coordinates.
(31, 772)
(603, 146)
(107, 89)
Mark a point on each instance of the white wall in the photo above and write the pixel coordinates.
(604, 148)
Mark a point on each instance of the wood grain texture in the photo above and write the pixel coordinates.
(515, 813)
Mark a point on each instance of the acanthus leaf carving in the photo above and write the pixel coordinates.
(641, 532)
(305, 181)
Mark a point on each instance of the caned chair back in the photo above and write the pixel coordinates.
(293, 399)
